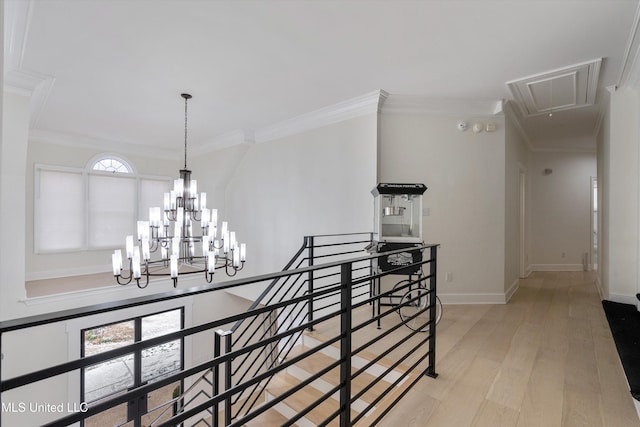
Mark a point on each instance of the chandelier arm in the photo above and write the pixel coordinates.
(146, 275)
(172, 215)
(233, 271)
(154, 244)
(208, 277)
(126, 278)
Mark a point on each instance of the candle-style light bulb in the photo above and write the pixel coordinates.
(129, 246)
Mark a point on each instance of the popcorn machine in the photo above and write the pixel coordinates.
(398, 224)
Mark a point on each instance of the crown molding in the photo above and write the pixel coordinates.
(229, 139)
(441, 106)
(630, 71)
(17, 18)
(77, 141)
(36, 86)
(351, 108)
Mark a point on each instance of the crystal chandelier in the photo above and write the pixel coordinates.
(167, 244)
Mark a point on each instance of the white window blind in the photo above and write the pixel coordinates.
(60, 210)
(112, 209)
(78, 209)
(151, 194)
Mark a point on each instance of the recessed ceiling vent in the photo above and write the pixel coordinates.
(561, 89)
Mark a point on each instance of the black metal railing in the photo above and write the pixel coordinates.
(309, 347)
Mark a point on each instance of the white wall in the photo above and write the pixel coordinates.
(516, 161)
(315, 182)
(465, 176)
(560, 209)
(13, 153)
(620, 196)
(603, 155)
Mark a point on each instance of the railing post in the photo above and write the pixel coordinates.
(1, 359)
(345, 344)
(217, 344)
(227, 376)
(311, 243)
(431, 369)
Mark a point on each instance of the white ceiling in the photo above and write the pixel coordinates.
(113, 71)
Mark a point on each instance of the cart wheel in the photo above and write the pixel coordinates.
(395, 295)
(414, 309)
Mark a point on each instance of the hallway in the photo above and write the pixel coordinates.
(545, 359)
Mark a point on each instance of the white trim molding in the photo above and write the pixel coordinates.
(512, 290)
(229, 139)
(556, 267)
(629, 73)
(368, 103)
(623, 299)
(68, 140)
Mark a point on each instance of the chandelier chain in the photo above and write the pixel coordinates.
(186, 98)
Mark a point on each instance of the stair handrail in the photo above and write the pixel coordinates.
(268, 289)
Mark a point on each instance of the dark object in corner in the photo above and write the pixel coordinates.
(624, 321)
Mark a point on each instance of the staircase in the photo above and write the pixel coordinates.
(316, 390)
(312, 341)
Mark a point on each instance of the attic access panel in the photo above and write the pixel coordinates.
(562, 89)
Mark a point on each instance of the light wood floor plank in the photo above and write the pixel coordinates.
(546, 358)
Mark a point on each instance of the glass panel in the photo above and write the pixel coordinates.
(161, 360)
(400, 216)
(112, 201)
(114, 375)
(161, 323)
(60, 211)
(111, 165)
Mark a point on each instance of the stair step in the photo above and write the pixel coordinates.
(359, 360)
(318, 361)
(300, 400)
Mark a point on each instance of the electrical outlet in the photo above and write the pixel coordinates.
(448, 277)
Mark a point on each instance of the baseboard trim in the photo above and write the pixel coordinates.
(556, 267)
(512, 290)
(599, 286)
(623, 299)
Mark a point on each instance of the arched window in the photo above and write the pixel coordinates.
(110, 163)
(94, 207)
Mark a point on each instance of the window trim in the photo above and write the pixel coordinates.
(104, 156)
(137, 337)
